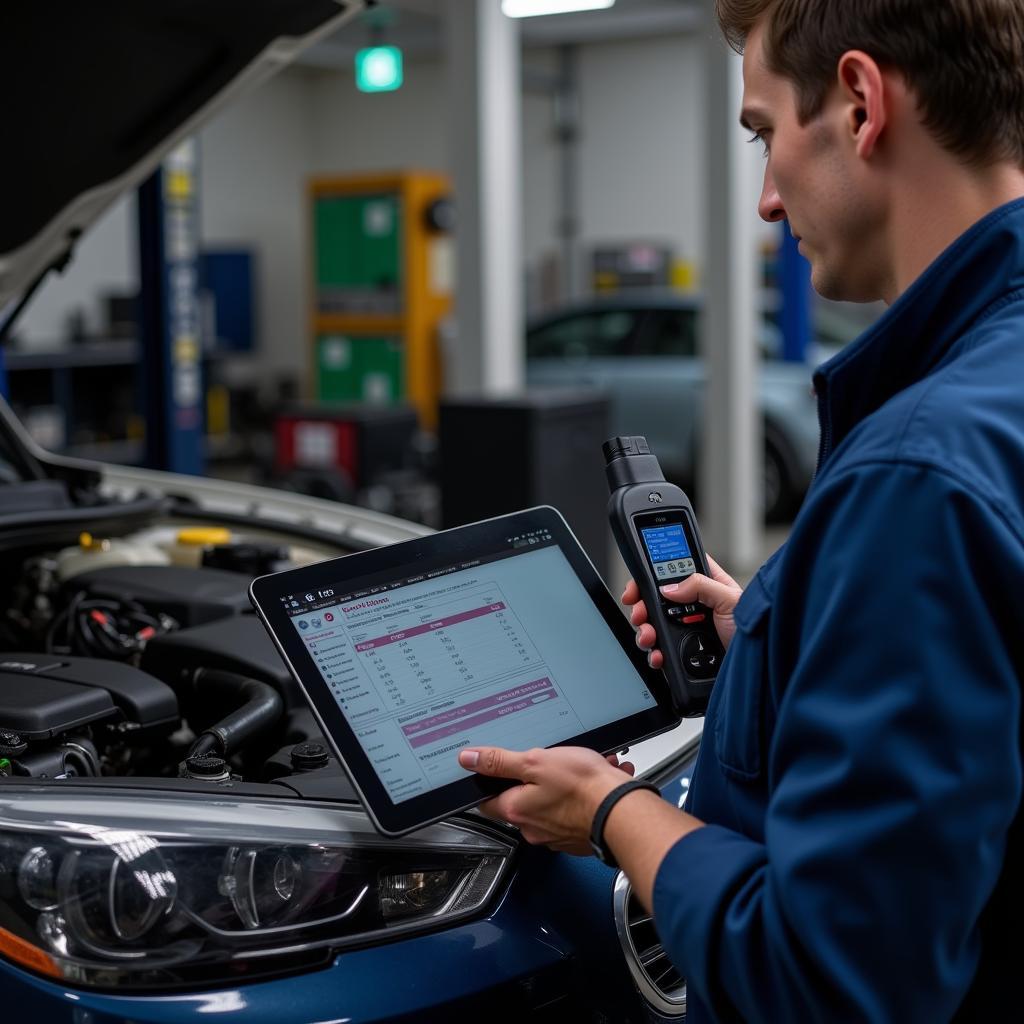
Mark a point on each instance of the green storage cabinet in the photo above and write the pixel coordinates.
(353, 368)
(358, 253)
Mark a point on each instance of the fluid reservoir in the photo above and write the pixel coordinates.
(188, 545)
(99, 552)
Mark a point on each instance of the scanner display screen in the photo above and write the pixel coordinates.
(669, 551)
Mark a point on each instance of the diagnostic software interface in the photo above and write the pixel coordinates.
(507, 651)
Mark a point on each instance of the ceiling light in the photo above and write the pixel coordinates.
(533, 8)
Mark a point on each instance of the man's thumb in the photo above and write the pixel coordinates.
(502, 764)
(698, 587)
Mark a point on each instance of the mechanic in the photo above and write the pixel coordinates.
(850, 848)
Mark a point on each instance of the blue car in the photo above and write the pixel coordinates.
(138, 883)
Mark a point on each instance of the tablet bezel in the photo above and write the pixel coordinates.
(435, 551)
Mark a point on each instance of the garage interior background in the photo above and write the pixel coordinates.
(637, 177)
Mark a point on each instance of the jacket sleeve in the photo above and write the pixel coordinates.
(894, 767)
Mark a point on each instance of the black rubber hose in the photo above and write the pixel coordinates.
(262, 709)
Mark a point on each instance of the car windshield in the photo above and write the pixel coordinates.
(588, 335)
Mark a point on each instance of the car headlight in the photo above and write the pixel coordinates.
(110, 889)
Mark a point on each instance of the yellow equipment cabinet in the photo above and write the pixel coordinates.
(381, 286)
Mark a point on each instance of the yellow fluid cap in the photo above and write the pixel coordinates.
(87, 542)
(204, 535)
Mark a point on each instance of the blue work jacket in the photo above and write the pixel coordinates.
(860, 768)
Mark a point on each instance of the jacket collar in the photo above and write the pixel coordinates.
(921, 326)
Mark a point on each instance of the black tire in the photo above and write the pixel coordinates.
(781, 499)
(780, 496)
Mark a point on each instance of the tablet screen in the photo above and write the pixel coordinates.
(503, 650)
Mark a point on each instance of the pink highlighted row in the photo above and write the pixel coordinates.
(463, 724)
(429, 627)
(444, 717)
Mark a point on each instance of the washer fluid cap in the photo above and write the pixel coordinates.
(202, 536)
(307, 756)
(210, 767)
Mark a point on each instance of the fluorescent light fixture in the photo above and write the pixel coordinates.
(533, 8)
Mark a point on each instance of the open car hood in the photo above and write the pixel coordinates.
(96, 94)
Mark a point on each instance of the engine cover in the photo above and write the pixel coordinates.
(192, 596)
(43, 695)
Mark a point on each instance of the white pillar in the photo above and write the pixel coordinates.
(484, 99)
(729, 490)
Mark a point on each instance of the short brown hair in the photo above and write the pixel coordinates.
(963, 58)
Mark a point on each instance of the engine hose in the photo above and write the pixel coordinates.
(262, 709)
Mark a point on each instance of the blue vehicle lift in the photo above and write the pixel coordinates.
(795, 281)
(170, 344)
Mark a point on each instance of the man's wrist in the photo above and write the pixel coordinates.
(602, 813)
(594, 793)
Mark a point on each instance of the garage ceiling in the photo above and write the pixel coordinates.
(415, 25)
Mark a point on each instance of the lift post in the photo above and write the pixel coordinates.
(170, 344)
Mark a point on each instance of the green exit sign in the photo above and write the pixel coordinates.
(379, 69)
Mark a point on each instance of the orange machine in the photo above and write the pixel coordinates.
(381, 283)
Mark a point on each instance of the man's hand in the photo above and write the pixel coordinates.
(720, 593)
(562, 788)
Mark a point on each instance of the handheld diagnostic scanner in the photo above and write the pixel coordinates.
(656, 531)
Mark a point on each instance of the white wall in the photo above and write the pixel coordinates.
(254, 161)
(642, 176)
(105, 261)
(356, 132)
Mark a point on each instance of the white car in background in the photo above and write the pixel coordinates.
(642, 349)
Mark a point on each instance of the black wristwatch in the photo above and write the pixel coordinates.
(597, 843)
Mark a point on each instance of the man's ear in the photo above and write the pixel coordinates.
(862, 88)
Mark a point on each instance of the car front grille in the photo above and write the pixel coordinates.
(657, 979)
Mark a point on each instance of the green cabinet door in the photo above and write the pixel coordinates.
(359, 369)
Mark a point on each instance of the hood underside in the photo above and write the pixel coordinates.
(96, 94)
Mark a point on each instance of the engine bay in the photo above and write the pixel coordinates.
(139, 657)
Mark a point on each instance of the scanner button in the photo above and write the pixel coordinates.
(699, 658)
(694, 618)
(674, 611)
(690, 609)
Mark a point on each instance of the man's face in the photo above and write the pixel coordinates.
(814, 179)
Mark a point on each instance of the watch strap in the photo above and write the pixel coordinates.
(604, 808)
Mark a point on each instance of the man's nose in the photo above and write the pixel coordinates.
(770, 206)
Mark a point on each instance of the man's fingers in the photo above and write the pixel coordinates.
(631, 594)
(499, 807)
(698, 587)
(718, 573)
(646, 637)
(494, 761)
(638, 614)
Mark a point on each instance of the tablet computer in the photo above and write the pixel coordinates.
(499, 633)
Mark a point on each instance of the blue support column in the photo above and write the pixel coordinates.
(795, 280)
(172, 383)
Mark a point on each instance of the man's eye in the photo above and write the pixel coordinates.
(757, 137)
